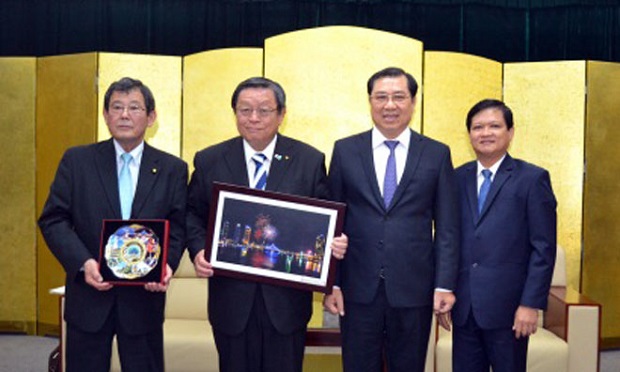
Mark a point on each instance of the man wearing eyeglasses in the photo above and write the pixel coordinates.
(403, 227)
(257, 327)
(120, 178)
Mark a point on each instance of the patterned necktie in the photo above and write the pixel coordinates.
(484, 189)
(125, 187)
(260, 174)
(389, 182)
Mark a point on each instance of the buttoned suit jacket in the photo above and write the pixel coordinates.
(398, 239)
(296, 169)
(83, 194)
(507, 250)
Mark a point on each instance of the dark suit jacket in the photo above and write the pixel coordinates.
(508, 251)
(300, 170)
(400, 239)
(84, 192)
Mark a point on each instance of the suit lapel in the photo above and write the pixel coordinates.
(235, 162)
(503, 174)
(416, 146)
(471, 189)
(365, 153)
(105, 159)
(150, 169)
(282, 157)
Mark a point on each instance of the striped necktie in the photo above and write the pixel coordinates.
(260, 174)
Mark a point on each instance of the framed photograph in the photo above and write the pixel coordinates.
(273, 237)
(133, 252)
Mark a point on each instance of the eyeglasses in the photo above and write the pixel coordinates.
(382, 99)
(261, 112)
(118, 109)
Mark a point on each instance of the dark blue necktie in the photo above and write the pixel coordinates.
(260, 174)
(389, 182)
(484, 189)
(125, 187)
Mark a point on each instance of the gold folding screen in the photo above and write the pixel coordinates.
(66, 116)
(162, 74)
(601, 257)
(18, 263)
(548, 103)
(209, 81)
(324, 73)
(453, 83)
(70, 92)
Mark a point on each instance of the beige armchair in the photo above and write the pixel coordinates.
(188, 340)
(566, 341)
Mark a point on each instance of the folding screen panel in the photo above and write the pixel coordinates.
(453, 83)
(324, 73)
(601, 254)
(209, 81)
(548, 102)
(70, 91)
(18, 311)
(66, 116)
(162, 74)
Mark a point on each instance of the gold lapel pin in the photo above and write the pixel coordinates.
(154, 170)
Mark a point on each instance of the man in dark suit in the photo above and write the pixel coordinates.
(398, 185)
(84, 192)
(508, 244)
(257, 327)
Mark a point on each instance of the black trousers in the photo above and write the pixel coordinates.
(376, 331)
(476, 349)
(260, 347)
(92, 351)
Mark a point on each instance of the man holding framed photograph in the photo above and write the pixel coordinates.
(257, 327)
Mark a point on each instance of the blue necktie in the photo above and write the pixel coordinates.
(125, 187)
(484, 189)
(389, 183)
(260, 174)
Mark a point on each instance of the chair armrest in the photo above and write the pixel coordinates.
(577, 320)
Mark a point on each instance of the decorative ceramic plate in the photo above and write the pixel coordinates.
(132, 251)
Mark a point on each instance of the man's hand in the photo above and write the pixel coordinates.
(339, 246)
(202, 266)
(93, 277)
(526, 321)
(160, 287)
(334, 302)
(442, 304)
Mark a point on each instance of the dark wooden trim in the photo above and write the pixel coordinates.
(323, 337)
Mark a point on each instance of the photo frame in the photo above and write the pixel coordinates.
(272, 237)
(133, 252)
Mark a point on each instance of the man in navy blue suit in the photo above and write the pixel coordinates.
(398, 186)
(508, 244)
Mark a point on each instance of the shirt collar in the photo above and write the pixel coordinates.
(378, 138)
(493, 168)
(268, 151)
(136, 153)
